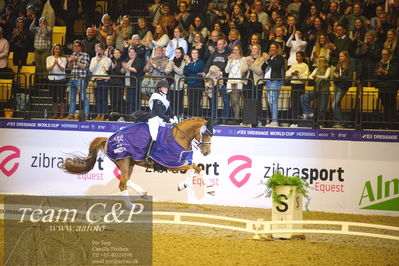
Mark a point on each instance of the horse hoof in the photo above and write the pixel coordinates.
(210, 190)
(144, 196)
(181, 186)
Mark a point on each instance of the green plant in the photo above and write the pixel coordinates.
(278, 179)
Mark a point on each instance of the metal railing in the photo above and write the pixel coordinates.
(364, 105)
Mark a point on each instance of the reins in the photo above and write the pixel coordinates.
(200, 133)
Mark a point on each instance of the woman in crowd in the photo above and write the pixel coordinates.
(255, 39)
(104, 30)
(122, 32)
(156, 66)
(20, 43)
(116, 83)
(274, 73)
(278, 39)
(234, 87)
(320, 49)
(133, 70)
(193, 67)
(161, 39)
(252, 68)
(321, 75)
(343, 75)
(234, 39)
(198, 43)
(392, 44)
(109, 48)
(297, 45)
(56, 64)
(199, 27)
(368, 53)
(176, 92)
(297, 73)
(99, 66)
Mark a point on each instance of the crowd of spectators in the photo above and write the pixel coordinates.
(265, 41)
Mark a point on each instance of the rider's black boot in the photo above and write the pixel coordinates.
(147, 159)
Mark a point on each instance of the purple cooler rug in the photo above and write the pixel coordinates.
(132, 142)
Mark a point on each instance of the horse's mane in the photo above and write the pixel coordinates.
(193, 119)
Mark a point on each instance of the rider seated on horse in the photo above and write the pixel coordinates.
(160, 114)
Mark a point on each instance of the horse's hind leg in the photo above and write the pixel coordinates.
(126, 168)
(133, 185)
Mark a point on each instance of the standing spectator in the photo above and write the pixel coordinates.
(298, 72)
(4, 51)
(133, 70)
(184, 19)
(197, 26)
(144, 30)
(382, 26)
(252, 70)
(368, 53)
(263, 17)
(253, 26)
(155, 11)
(19, 43)
(392, 44)
(176, 42)
(116, 84)
(161, 38)
(56, 64)
(255, 39)
(7, 21)
(156, 66)
(122, 32)
(212, 43)
(349, 19)
(219, 59)
(99, 67)
(342, 76)
(234, 39)
(274, 73)
(333, 14)
(194, 66)
(104, 29)
(341, 43)
(386, 72)
(320, 50)
(176, 92)
(297, 45)
(79, 62)
(42, 43)
(321, 74)
(234, 87)
(90, 42)
(373, 21)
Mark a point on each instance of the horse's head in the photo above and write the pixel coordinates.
(205, 138)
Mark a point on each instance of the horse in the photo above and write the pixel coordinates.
(193, 130)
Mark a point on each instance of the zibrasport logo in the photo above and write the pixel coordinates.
(16, 153)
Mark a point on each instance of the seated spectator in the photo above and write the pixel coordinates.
(298, 72)
(109, 48)
(320, 50)
(20, 43)
(122, 32)
(104, 29)
(167, 20)
(42, 43)
(177, 41)
(197, 26)
(161, 38)
(297, 45)
(90, 42)
(193, 69)
(198, 43)
(343, 76)
(99, 67)
(56, 64)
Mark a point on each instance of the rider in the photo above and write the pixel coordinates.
(160, 113)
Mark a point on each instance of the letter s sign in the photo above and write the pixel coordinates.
(247, 164)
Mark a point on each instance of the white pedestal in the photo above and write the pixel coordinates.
(290, 209)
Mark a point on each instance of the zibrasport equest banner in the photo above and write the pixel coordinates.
(349, 171)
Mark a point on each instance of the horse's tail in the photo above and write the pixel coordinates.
(82, 165)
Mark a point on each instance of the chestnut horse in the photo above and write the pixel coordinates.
(195, 130)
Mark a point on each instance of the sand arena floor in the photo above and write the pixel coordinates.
(190, 245)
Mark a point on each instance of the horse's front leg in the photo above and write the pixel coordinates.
(191, 171)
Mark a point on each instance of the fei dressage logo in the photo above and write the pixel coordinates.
(382, 196)
(233, 175)
(16, 153)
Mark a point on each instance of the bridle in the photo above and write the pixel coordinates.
(201, 132)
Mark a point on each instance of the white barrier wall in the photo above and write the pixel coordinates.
(349, 171)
